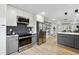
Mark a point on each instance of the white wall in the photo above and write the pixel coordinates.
(33, 22)
(2, 29)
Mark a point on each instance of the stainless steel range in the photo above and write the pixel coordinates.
(24, 39)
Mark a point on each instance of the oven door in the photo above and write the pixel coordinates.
(25, 41)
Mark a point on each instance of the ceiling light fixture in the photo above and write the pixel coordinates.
(77, 14)
(53, 19)
(43, 13)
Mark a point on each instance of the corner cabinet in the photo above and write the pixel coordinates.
(11, 16)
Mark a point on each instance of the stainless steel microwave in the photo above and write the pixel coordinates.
(22, 20)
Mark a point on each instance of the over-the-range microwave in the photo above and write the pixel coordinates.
(22, 20)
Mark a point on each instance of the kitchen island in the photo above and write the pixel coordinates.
(68, 39)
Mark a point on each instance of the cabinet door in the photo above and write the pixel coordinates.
(69, 40)
(11, 16)
(12, 45)
(19, 12)
(60, 39)
(2, 14)
(77, 42)
(34, 38)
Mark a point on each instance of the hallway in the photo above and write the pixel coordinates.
(49, 48)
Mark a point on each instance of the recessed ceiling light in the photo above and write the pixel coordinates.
(53, 19)
(77, 14)
(43, 13)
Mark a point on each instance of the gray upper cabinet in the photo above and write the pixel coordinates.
(11, 16)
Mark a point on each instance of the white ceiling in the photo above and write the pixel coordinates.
(52, 10)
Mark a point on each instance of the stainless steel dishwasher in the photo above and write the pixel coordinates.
(11, 44)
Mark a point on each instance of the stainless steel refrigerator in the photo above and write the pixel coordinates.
(41, 33)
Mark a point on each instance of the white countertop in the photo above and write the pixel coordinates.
(11, 35)
(72, 33)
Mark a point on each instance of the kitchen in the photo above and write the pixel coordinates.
(21, 30)
(46, 31)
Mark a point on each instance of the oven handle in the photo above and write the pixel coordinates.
(24, 37)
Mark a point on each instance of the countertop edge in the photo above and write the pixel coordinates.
(68, 33)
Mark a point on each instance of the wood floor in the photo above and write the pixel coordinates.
(49, 48)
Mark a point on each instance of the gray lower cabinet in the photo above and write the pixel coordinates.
(34, 38)
(60, 38)
(69, 40)
(77, 41)
(66, 39)
(11, 44)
